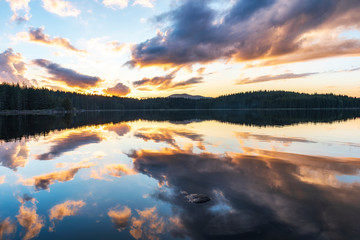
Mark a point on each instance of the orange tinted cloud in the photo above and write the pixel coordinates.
(116, 46)
(14, 154)
(329, 48)
(61, 8)
(2, 179)
(278, 30)
(12, 68)
(267, 78)
(120, 217)
(20, 9)
(114, 170)
(118, 170)
(66, 209)
(269, 138)
(166, 82)
(44, 181)
(69, 143)
(167, 135)
(120, 128)
(38, 35)
(31, 221)
(118, 90)
(6, 228)
(68, 76)
(148, 225)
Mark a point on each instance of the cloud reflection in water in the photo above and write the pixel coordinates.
(269, 194)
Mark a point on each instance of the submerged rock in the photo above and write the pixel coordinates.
(197, 198)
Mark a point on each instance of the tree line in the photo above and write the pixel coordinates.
(15, 127)
(15, 97)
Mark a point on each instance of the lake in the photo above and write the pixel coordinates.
(256, 174)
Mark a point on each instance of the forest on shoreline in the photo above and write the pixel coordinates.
(18, 98)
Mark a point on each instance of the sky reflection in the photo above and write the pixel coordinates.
(132, 180)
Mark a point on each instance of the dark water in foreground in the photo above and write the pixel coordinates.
(181, 175)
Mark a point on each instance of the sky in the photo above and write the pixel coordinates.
(155, 48)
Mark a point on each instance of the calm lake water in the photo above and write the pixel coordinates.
(181, 175)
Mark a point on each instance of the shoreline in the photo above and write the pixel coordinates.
(61, 112)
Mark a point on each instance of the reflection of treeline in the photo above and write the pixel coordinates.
(14, 97)
(16, 127)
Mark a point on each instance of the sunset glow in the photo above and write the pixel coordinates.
(150, 48)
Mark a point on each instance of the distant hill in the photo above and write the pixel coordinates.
(187, 96)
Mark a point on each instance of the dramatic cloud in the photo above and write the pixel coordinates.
(38, 35)
(66, 209)
(6, 228)
(277, 30)
(14, 154)
(44, 181)
(120, 4)
(66, 75)
(12, 67)
(31, 221)
(61, 8)
(118, 90)
(20, 9)
(166, 82)
(261, 190)
(120, 217)
(69, 143)
(268, 78)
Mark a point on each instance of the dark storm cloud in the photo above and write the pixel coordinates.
(69, 143)
(38, 35)
(66, 75)
(264, 196)
(249, 30)
(267, 78)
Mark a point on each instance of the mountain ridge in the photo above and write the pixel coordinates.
(187, 96)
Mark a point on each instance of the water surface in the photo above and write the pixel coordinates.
(129, 175)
